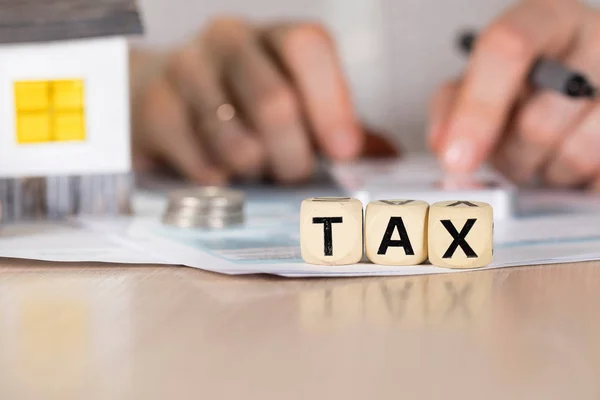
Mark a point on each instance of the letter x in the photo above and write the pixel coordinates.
(459, 238)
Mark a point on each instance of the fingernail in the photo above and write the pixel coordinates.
(459, 155)
(344, 145)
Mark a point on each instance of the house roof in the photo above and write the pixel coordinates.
(48, 20)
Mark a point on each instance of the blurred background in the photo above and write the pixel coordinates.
(395, 52)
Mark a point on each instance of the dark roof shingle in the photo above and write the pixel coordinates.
(48, 20)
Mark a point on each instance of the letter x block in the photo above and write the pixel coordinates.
(331, 230)
(461, 234)
(395, 232)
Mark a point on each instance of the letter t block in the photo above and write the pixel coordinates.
(331, 230)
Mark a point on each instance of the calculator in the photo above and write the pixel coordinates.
(421, 177)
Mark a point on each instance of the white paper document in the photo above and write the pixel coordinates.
(67, 242)
(262, 247)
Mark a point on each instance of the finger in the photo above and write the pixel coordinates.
(270, 104)
(195, 75)
(539, 129)
(577, 161)
(439, 111)
(594, 185)
(162, 125)
(309, 56)
(544, 122)
(496, 73)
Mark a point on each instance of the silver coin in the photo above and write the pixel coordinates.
(206, 207)
(191, 219)
(196, 216)
(173, 208)
(185, 213)
(207, 197)
(202, 221)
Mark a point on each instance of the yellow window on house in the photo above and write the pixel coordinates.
(49, 111)
(31, 96)
(67, 95)
(68, 126)
(34, 127)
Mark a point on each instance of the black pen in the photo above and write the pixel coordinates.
(547, 74)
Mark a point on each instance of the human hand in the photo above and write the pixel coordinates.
(240, 101)
(490, 113)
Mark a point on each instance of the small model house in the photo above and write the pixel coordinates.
(64, 106)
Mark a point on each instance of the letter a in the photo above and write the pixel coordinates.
(396, 223)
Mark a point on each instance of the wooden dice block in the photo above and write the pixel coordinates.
(331, 230)
(460, 234)
(396, 232)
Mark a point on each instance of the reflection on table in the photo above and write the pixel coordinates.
(96, 332)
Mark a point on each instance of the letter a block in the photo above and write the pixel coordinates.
(331, 230)
(396, 232)
(461, 234)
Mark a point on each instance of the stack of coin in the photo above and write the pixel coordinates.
(205, 207)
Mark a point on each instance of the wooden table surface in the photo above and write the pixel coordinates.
(128, 332)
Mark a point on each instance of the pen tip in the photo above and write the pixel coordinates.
(579, 86)
(587, 91)
(466, 40)
(590, 91)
